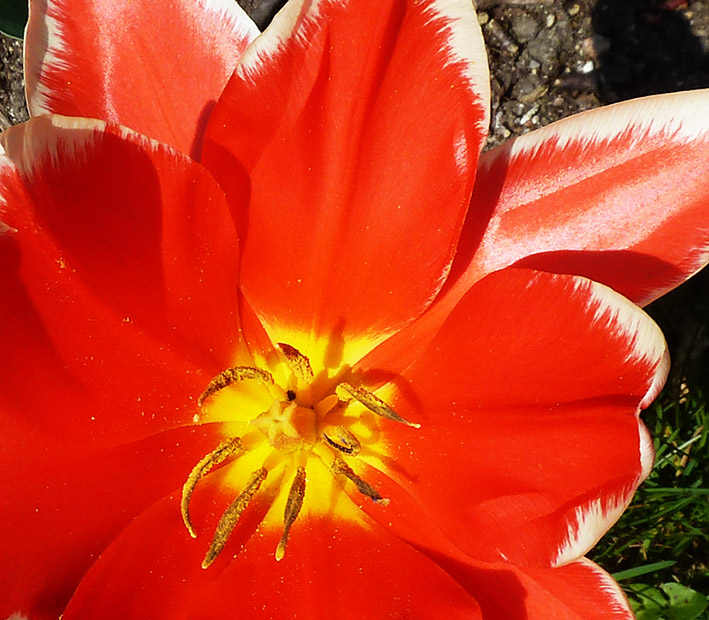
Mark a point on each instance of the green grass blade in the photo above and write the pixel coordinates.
(642, 570)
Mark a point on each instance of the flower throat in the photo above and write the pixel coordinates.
(294, 427)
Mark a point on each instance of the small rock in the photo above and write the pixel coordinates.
(498, 32)
(587, 67)
(524, 26)
(4, 121)
(528, 115)
(576, 82)
(529, 89)
(551, 20)
(12, 97)
(514, 109)
(545, 48)
(595, 45)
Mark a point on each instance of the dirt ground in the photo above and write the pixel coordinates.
(549, 58)
(552, 58)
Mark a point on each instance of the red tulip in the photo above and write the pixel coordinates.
(273, 365)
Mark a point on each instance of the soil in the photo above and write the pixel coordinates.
(553, 58)
(549, 58)
(12, 84)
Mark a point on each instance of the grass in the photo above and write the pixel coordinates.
(663, 538)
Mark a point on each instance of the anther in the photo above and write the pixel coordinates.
(293, 506)
(233, 375)
(229, 448)
(231, 516)
(342, 439)
(372, 402)
(340, 467)
(299, 364)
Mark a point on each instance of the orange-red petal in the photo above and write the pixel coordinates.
(119, 276)
(530, 445)
(354, 129)
(578, 591)
(618, 194)
(61, 506)
(334, 570)
(157, 67)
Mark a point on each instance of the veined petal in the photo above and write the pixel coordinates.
(61, 507)
(617, 194)
(376, 108)
(579, 591)
(118, 280)
(157, 67)
(530, 445)
(331, 570)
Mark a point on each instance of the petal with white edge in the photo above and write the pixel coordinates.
(618, 194)
(118, 280)
(353, 128)
(528, 397)
(156, 67)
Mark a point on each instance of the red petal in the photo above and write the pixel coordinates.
(157, 67)
(61, 507)
(578, 591)
(331, 570)
(118, 281)
(619, 194)
(358, 126)
(530, 446)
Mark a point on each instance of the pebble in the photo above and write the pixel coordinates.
(12, 97)
(544, 48)
(523, 120)
(530, 91)
(587, 67)
(500, 35)
(524, 27)
(595, 45)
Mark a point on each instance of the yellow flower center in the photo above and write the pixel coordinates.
(307, 428)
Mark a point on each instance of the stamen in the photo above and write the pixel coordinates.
(342, 439)
(300, 365)
(293, 506)
(232, 375)
(231, 516)
(340, 467)
(229, 448)
(371, 402)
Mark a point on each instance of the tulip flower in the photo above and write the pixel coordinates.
(263, 355)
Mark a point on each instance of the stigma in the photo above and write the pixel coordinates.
(303, 418)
